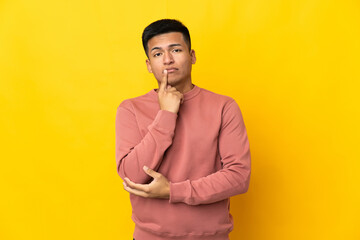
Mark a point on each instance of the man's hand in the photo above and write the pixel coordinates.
(169, 97)
(158, 188)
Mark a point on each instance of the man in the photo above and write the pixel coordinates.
(182, 151)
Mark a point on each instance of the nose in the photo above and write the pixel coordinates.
(168, 58)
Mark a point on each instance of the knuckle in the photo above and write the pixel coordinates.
(147, 190)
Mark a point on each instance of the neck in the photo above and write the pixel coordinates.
(183, 88)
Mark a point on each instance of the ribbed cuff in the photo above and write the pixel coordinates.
(180, 192)
(165, 120)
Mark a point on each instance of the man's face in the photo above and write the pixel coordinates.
(170, 51)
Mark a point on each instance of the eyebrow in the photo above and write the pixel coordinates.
(170, 46)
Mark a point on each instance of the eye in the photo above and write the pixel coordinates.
(156, 54)
(177, 50)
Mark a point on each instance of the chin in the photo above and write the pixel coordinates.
(173, 82)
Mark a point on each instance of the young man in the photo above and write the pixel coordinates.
(181, 150)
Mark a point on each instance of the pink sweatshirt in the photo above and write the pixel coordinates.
(203, 151)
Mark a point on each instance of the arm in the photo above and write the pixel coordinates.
(133, 151)
(233, 179)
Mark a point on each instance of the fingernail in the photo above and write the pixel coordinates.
(165, 71)
(145, 168)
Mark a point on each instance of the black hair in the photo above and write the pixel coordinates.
(164, 26)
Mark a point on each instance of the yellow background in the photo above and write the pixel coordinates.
(293, 67)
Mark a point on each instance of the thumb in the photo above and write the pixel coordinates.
(151, 172)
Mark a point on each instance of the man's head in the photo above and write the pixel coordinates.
(164, 26)
(167, 45)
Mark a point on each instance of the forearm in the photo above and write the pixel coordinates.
(215, 187)
(133, 152)
(234, 154)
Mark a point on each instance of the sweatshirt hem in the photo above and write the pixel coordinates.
(141, 234)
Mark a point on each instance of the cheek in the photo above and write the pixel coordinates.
(157, 73)
(187, 66)
(155, 69)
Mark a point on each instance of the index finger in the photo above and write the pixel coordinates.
(134, 191)
(164, 81)
(136, 186)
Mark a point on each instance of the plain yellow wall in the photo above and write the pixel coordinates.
(293, 67)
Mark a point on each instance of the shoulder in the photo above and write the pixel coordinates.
(226, 105)
(139, 100)
(221, 99)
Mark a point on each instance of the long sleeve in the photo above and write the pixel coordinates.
(234, 176)
(133, 150)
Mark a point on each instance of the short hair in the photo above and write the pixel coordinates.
(164, 26)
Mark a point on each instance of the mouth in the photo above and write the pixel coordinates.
(171, 70)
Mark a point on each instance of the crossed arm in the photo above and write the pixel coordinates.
(233, 146)
(231, 180)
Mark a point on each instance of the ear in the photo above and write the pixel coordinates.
(148, 65)
(193, 57)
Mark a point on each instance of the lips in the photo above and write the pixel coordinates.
(171, 70)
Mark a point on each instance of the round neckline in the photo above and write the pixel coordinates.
(188, 95)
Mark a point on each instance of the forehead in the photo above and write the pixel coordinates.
(166, 39)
